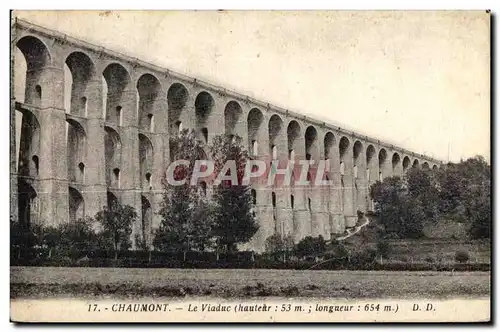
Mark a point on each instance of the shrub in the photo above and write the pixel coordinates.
(383, 248)
(462, 256)
(429, 259)
(311, 246)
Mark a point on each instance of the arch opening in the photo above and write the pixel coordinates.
(406, 163)
(36, 56)
(82, 71)
(311, 142)
(117, 80)
(146, 220)
(116, 178)
(232, 114)
(76, 205)
(177, 97)
(275, 128)
(112, 151)
(343, 146)
(148, 89)
(293, 135)
(370, 163)
(27, 203)
(203, 104)
(382, 158)
(111, 199)
(396, 159)
(75, 142)
(255, 120)
(357, 150)
(29, 146)
(329, 145)
(145, 161)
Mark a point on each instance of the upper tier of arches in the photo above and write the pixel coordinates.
(137, 95)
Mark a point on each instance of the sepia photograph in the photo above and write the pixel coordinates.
(250, 166)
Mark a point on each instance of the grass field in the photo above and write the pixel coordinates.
(35, 282)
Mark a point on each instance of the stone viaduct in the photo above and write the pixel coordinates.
(112, 142)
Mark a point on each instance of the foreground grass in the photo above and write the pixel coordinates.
(36, 282)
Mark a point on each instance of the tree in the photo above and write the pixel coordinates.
(276, 244)
(52, 238)
(399, 212)
(24, 237)
(458, 191)
(78, 236)
(422, 185)
(186, 214)
(311, 246)
(234, 221)
(116, 221)
(186, 221)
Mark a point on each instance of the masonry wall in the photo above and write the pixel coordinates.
(112, 142)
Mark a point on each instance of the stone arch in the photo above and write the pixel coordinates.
(425, 165)
(382, 161)
(117, 80)
(396, 162)
(177, 97)
(82, 71)
(35, 51)
(275, 128)
(146, 220)
(343, 147)
(29, 145)
(149, 90)
(416, 164)
(255, 121)
(435, 167)
(145, 161)
(372, 170)
(370, 153)
(26, 203)
(37, 56)
(293, 134)
(357, 151)
(311, 143)
(76, 146)
(203, 104)
(112, 152)
(330, 145)
(76, 205)
(330, 153)
(232, 115)
(406, 163)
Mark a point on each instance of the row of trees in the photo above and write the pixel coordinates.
(190, 220)
(110, 231)
(458, 191)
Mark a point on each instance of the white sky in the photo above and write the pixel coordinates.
(419, 80)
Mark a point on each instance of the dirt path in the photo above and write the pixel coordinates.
(355, 231)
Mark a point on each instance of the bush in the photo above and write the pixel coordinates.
(429, 259)
(462, 256)
(311, 246)
(383, 248)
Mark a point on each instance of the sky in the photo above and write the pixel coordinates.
(416, 79)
